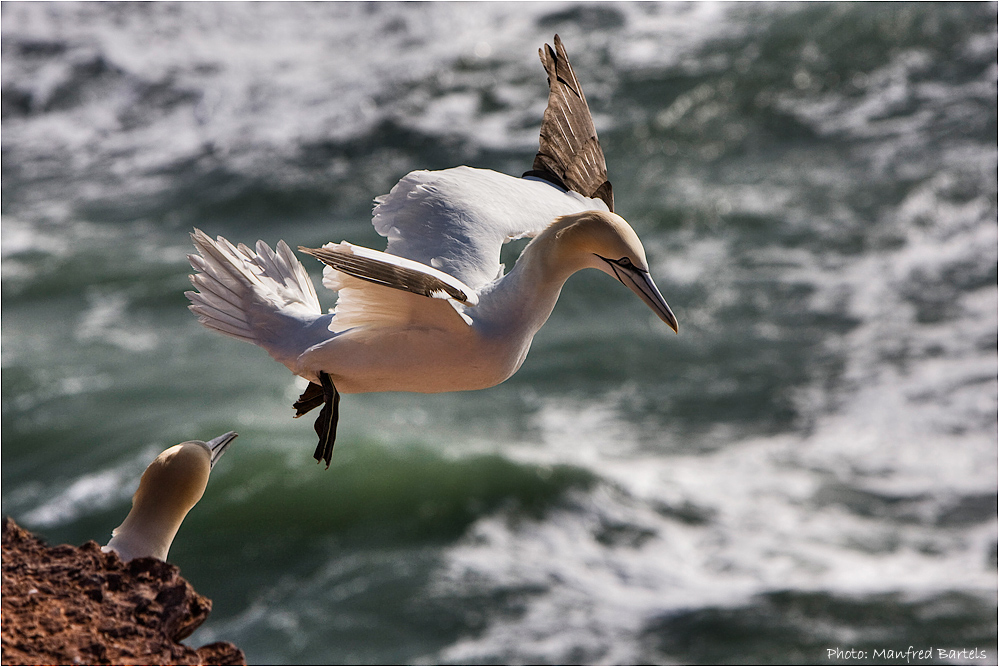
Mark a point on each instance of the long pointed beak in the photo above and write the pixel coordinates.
(219, 445)
(640, 282)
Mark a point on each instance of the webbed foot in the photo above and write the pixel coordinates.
(328, 418)
(311, 398)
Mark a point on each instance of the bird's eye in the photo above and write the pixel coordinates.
(625, 262)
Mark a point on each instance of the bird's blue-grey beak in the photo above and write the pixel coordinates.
(219, 445)
(640, 282)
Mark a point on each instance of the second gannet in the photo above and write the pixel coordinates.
(170, 486)
(434, 312)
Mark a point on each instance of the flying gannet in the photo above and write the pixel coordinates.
(434, 312)
(171, 485)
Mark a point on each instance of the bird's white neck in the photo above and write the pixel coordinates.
(521, 302)
(148, 530)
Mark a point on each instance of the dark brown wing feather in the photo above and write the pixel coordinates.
(382, 273)
(569, 154)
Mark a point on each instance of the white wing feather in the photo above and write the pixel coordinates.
(457, 220)
(263, 297)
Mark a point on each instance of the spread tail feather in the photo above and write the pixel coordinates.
(263, 297)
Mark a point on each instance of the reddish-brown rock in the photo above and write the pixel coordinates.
(76, 605)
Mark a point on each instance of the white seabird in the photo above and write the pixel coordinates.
(170, 486)
(434, 312)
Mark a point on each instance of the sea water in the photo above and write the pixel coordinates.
(806, 473)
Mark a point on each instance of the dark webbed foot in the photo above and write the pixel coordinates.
(311, 398)
(324, 394)
(328, 418)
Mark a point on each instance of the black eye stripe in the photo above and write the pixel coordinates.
(625, 263)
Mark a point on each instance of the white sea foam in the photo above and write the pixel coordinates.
(856, 505)
(662, 534)
(95, 491)
(106, 320)
(129, 99)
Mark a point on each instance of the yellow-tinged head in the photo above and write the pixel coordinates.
(177, 477)
(605, 241)
(170, 486)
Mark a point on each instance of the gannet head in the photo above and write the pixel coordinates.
(171, 485)
(605, 241)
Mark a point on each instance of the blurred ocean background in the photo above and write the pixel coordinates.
(811, 464)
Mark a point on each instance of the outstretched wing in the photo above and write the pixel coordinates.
(569, 155)
(457, 220)
(375, 288)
